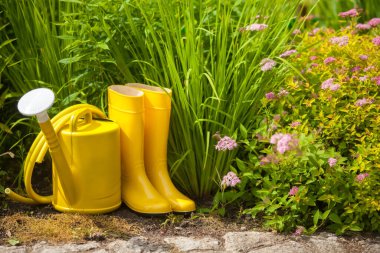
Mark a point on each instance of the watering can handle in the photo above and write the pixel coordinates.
(85, 113)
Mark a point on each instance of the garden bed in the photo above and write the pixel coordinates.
(272, 114)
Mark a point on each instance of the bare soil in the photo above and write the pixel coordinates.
(30, 224)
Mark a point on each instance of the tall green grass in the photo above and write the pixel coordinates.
(327, 11)
(54, 46)
(196, 48)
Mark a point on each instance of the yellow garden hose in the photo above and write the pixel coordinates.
(38, 151)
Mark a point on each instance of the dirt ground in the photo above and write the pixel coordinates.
(23, 224)
(26, 224)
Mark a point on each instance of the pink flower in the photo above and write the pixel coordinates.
(282, 93)
(356, 69)
(376, 41)
(374, 22)
(363, 57)
(334, 87)
(277, 117)
(313, 57)
(377, 80)
(293, 191)
(267, 64)
(351, 13)
(288, 53)
(271, 158)
(363, 78)
(314, 32)
(332, 161)
(273, 127)
(341, 41)
(361, 177)
(274, 139)
(270, 95)
(295, 124)
(326, 84)
(313, 65)
(329, 60)
(264, 160)
(256, 27)
(363, 101)
(299, 231)
(231, 179)
(296, 31)
(363, 26)
(369, 68)
(284, 142)
(260, 137)
(226, 143)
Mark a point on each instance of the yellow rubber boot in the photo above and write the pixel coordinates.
(157, 103)
(125, 107)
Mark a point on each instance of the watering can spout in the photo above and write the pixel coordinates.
(36, 103)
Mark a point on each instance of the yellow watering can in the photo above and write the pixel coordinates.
(85, 150)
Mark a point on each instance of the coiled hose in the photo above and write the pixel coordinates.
(38, 151)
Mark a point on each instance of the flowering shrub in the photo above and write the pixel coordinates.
(314, 160)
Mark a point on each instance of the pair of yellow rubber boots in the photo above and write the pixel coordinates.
(143, 114)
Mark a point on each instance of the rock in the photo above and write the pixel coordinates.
(135, 245)
(252, 242)
(372, 248)
(43, 247)
(185, 244)
(247, 241)
(326, 244)
(285, 247)
(99, 251)
(13, 249)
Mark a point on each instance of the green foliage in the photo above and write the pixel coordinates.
(326, 11)
(334, 163)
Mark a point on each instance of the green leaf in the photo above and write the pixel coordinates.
(243, 132)
(335, 218)
(102, 45)
(355, 228)
(72, 1)
(241, 165)
(13, 242)
(316, 217)
(203, 210)
(221, 211)
(273, 208)
(70, 60)
(325, 214)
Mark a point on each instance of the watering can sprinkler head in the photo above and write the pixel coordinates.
(36, 103)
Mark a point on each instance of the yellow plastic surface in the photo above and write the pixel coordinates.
(92, 149)
(126, 106)
(157, 103)
(83, 186)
